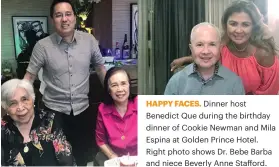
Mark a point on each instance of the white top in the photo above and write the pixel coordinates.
(43, 85)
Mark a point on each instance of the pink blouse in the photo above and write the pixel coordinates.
(256, 79)
(111, 128)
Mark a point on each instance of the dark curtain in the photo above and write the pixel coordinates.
(173, 21)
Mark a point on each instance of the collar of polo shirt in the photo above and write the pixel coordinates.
(217, 71)
(59, 38)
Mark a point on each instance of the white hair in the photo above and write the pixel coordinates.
(205, 24)
(9, 87)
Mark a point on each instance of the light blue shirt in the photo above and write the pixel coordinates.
(189, 82)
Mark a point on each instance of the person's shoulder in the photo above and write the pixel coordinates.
(227, 73)
(3, 123)
(264, 57)
(134, 101)
(46, 42)
(86, 38)
(104, 108)
(225, 51)
(135, 98)
(174, 82)
(81, 33)
(84, 35)
(47, 39)
(6, 129)
(5, 120)
(230, 77)
(101, 107)
(223, 47)
(188, 68)
(184, 72)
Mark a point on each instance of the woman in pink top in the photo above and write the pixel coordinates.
(247, 50)
(116, 129)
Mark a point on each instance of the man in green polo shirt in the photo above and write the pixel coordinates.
(206, 76)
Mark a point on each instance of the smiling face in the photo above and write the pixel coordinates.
(20, 106)
(239, 27)
(119, 87)
(205, 46)
(64, 19)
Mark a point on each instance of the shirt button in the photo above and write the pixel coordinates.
(71, 75)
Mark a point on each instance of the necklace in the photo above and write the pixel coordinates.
(240, 50)
(122, 133)
(26, 148)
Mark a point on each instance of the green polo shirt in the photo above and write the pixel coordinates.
(189, 82)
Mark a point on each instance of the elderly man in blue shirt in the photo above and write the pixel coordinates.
(206, 75)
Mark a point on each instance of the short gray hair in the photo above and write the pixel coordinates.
(9, 87)
(205, 24)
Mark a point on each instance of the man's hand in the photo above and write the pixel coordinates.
(30, 77)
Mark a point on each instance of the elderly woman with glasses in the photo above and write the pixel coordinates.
(29, 137)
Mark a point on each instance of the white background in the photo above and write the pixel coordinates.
(257, 104)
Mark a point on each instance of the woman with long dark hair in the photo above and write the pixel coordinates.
(248, 49)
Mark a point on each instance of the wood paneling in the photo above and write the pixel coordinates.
(121, 20)
(101, 19)
(111, 20)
